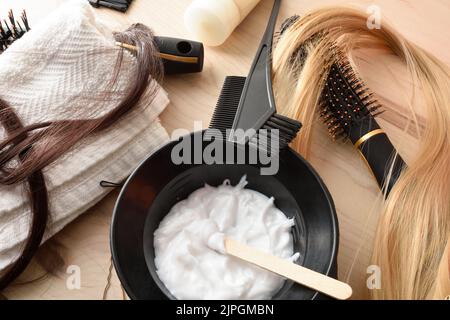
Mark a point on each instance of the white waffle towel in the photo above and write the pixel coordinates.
(51, 72)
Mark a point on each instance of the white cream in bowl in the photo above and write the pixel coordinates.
(185, 240)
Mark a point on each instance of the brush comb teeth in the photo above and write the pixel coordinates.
(226, 109)
(227, 105)
(345, 100)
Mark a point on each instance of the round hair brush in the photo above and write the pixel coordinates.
(348, 108)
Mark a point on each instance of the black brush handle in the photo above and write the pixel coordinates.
(112, 5)
(257, 103)
(180, 55)
(378, 151)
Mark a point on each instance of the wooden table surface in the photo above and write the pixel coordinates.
(85, 242)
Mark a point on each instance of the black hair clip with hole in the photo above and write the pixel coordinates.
(120, 5)
(178, 55)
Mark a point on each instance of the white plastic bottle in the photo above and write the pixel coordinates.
(212, 21)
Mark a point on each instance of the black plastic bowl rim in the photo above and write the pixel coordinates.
(330, 268)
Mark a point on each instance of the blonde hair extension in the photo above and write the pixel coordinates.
(412, 239)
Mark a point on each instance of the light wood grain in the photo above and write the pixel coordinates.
(304, 276)
(193, 97)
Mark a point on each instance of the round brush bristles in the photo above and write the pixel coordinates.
(345, 100)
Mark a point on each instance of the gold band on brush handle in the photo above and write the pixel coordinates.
(166, 56)
(367, 136)
(363, 139)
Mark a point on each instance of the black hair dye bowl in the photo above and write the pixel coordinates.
(157, 184)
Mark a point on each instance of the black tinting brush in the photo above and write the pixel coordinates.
(11, 29)
(248, 103)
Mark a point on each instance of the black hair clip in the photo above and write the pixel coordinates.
(120, 5)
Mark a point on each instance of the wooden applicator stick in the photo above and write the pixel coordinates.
(304, 276)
